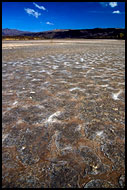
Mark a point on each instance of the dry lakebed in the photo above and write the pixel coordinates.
(63, 114)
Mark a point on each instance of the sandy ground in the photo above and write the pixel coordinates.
(9, 44)
(63, 114)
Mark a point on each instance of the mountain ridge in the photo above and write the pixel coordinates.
(108, 33)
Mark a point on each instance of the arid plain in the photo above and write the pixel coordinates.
(63, 113)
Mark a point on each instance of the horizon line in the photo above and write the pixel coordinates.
(64, 29)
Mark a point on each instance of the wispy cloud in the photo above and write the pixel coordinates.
(49, 23)
(97, 12)
(103, 4)
(113, 4)
(32, 12)
(116, 12)
(40, 7)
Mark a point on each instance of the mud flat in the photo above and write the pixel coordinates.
(63, 114)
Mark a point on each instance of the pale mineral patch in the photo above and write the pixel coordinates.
(52, 118)
(99, 133)
(4, 136)
(116, 95)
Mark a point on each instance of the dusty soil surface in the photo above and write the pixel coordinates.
(63, 114)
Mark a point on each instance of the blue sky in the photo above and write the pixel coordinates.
(43, 16)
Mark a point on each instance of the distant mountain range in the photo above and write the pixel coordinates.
(101, 33)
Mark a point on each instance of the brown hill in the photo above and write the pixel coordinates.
(96, 33)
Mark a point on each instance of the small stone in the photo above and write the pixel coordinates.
(122, 181)
(116, 109)
(81, 59)
(23, 147)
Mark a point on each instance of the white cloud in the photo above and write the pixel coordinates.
(49, 23)
(116, 12)
(113, 4)
(40, 7)
(32, 12)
